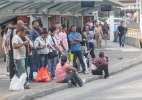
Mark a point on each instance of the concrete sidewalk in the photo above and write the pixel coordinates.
(130, 55)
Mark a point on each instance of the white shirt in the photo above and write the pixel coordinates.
(40, 42)
(52, 43)
(21, 52)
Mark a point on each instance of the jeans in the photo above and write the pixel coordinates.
(44, 61)
(92, 48)
(35, 60)
(66, 52)
(80, 56)
(73, 76)
(115, 37)
(99, 71)
(54, 62)
(20, 66)
(31, 64)
(87, 44)
(121, 40)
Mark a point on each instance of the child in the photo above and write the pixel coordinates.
(102, 64)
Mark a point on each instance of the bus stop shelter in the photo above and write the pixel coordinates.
(55, 7)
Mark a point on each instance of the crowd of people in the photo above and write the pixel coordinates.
(24, 46)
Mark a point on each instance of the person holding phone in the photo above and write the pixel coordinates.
(42, 45)
(19, 53)
(102, 65)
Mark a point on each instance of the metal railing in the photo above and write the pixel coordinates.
(135, 33)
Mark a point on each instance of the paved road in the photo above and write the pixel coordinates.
(126, 85)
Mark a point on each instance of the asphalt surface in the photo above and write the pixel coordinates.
(126, 85)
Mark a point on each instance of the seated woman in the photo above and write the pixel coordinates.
(102, 65)
(64, 73)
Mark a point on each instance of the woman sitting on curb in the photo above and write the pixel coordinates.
(102, 64)
(64, 73)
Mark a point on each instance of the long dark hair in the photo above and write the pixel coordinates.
(63, 60)
(85, 27)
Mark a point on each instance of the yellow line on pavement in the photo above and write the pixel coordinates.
(5, 96)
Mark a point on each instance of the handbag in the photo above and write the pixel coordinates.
(52, 54)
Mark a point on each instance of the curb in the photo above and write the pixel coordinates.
(41, 93)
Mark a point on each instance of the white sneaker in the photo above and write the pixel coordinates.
(7, 74)
(86, 72)
(28, 84)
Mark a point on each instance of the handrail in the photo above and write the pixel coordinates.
(135, 33)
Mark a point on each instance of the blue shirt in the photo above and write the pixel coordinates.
(33, 34)
(89, 39)
(115, 29)
(72, 36)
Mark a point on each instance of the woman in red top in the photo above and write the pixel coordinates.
(102, 65)
(64, 73)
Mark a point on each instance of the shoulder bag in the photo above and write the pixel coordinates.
(52, 54)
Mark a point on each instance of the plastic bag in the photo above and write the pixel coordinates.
(43, 75)
(18, 83)
(34, 75)
(47, 74)
(22, 81)
(93, 67)
(85, 61)
(14, 84)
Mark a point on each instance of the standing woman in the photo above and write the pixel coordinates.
(85, 33)
(42, 45)
(90, 40)
(105, 31)
(98, 35)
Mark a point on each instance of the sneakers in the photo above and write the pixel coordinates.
(86, 72)
(106, 76)
(7, 74)
(26, 86)
(53, 78)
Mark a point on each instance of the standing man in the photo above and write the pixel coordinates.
(55, 46)
(63, 40)
(12, 31)
(121, 32)
(75, 47)
(34, 33)
(19, 53)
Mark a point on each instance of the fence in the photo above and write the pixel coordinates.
(135, 33)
